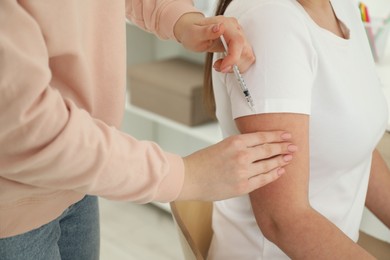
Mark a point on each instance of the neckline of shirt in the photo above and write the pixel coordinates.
(326, 33)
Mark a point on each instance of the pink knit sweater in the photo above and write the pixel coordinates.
(62, 89)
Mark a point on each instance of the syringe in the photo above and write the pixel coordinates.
(240, 79)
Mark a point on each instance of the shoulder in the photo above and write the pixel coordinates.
(280, 17)
(274, 9)
(270, 22)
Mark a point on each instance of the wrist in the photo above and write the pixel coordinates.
(184, 22)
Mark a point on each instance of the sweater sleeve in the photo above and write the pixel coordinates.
(47, 141)
(158, 16)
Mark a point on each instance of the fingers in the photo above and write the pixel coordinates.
(264, 166)
(201, 34)
(239, 53)
(269, 162)
(210, 33)
(239, 50)
(268, 171)
(197, 33)
(204, 38)
(270, 150)
(236, 45)
(260, 138)
(261, 180)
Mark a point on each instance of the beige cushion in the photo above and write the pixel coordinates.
(378, 248)
(193, 221)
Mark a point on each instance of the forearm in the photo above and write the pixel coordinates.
(92, 158)
(378, 194)
(306, 234)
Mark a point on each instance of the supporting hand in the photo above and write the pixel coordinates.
(200, 34)
(236, 166)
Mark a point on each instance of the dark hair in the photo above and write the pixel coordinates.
(208, 94)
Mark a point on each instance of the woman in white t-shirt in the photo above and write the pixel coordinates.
(315, 78)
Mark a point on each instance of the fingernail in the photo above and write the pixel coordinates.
(287, 157)
(227, 69)
(281, 171)
(292, 148)
(286, 136)
(216, 28)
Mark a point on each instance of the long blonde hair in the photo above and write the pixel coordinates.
(208, 94)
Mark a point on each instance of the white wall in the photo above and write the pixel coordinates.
(377, 8)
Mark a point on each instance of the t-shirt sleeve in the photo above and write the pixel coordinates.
(282, 77)
(158, 16)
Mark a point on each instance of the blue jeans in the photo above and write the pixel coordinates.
(73, 235)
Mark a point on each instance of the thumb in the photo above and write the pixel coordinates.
(204, 37)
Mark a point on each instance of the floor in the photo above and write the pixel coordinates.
(137, 232)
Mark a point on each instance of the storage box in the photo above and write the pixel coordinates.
(172, 88)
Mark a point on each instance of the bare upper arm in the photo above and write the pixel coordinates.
(290, 193)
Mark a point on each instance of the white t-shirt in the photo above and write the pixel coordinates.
(303, 68)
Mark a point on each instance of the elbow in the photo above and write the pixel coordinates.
(270, 227)
(281, 221)
(278, 228)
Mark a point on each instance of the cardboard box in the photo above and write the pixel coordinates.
(172, 88)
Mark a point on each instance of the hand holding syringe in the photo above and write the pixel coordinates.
(240, 79)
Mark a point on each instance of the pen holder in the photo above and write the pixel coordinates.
(378, 32)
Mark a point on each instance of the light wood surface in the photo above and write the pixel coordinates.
(193, 221)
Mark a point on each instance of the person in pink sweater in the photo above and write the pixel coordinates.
(62, 89)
